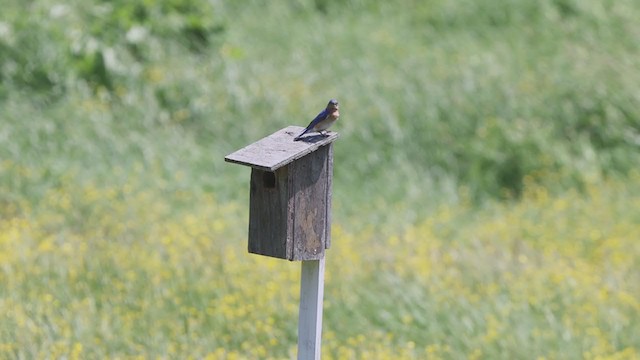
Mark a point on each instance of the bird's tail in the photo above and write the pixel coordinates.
(300, 136)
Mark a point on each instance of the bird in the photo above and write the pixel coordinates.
(323, 120)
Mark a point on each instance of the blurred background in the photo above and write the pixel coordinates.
(486, 182)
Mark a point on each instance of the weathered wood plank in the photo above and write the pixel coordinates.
(329, 191)
(279, 149)
(309, 191)
(268, 214)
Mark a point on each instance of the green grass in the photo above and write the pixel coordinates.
(487, 158)
(434, 99)
(125, 271)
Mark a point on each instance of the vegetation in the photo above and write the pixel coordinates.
(487, 162)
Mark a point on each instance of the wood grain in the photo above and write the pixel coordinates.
(290, 194)
(279, 149)
(269, 232)
(309, 192)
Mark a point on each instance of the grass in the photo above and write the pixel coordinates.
(121, 271)
(438, 98)
(486, 162)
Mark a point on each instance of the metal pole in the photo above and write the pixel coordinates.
(310, 317)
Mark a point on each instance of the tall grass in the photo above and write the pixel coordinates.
(125, 271)
(439, 97)
(486, 162)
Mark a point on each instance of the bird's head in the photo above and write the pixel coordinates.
(333, 104)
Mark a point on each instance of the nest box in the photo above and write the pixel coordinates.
(290, 194)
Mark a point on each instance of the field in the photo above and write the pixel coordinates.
(486, 189)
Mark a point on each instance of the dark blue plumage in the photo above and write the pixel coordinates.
(323, 120)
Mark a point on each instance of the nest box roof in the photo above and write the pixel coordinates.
(279, 149)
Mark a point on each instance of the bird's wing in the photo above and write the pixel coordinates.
(321, 116)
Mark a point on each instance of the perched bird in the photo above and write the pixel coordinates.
(325, 119)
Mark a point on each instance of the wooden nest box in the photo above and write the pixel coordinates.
(290, 194)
